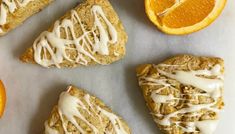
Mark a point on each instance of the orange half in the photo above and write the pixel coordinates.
(2, 98)
(183, 16)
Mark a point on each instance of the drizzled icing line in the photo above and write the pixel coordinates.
(10, 6)
(51, 43)
(68, 107)
(212, 88)
(49, 130)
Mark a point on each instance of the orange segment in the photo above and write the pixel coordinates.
(183, 16)
(2, 98)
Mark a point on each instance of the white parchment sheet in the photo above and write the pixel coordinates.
(32, 91)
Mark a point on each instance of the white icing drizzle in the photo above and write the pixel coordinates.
(162, 98)
(51, 43)
(68, 107)
(114, 120)
(49, 130)
(10, 6)
(87, 99)
(116, 54)
(212, 87)
(207, 127)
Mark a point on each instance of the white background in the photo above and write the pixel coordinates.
(32, 91)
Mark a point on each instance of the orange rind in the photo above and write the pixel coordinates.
(2, 98)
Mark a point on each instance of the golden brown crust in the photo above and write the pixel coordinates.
(84, 13)
(195, 62)
(180, 63)
(55, 121)
(21, 14)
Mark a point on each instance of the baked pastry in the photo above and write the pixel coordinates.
(89, 34)
(78, 112)
(184, 93)
(15, 12)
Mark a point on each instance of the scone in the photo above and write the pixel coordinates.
(89, 34)
(15, 12)
(78, 112)
(184, 93)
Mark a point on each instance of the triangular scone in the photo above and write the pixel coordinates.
(89, 34)
(78, 112)
(15, 12)
(184, 93)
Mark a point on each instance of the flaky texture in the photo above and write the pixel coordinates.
(84, 12)
(152, 80)
(94, 116)
(22, 13)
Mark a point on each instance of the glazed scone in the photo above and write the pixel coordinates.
(89, 34)
(15, 12)
(184, 93)
(78, 112)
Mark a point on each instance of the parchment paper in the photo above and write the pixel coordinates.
(32, 91)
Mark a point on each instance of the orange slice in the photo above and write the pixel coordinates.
(2, 98)
(183, 16)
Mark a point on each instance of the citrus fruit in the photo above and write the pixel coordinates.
(183, 16)
(2, 98)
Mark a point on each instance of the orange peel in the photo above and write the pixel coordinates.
(2, 98)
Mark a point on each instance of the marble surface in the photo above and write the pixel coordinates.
(32, 90)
